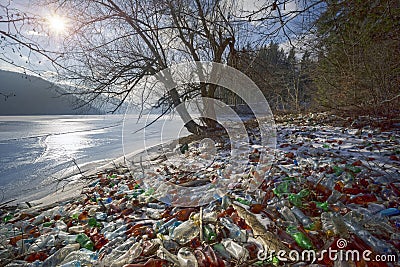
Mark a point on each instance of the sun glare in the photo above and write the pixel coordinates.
(57, 24)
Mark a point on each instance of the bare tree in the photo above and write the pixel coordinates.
(114, 45)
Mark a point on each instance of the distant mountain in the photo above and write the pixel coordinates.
(22, 94)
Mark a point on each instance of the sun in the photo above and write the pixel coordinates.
(57, 23)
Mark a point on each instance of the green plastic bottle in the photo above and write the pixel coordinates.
(149, 192)
(84, 241)
(7, 217)
(93, 223)
(299, 237)
(338, 171)
(295, 200)
(304, 193)
(48, 224)
(282, 188)
(352, 168)
(322, 205)
(243, 201)
(209, 234)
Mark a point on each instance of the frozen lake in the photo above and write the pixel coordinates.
(36, 152)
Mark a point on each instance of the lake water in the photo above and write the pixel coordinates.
(38, 152)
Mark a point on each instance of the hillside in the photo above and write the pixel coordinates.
(30, 95)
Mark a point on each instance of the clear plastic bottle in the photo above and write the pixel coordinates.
(304, 220)
(118, 232)
(375, 243)
(73, 263)
(60, 255)
(288, 215)
(77, 229)
(164, 227)
(235, 250)
(66, 238)
(327, 223)
(42, 242)
(186, 258)
(185, 232)
(234, 231)
(83, 256)
(132, 253)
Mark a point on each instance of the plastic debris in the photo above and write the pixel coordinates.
(326, 184)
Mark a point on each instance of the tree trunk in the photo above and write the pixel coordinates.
(190, 124)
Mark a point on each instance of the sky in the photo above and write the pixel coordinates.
(50, 37)
(42, 33)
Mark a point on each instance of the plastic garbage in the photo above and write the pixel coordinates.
(234, 231)
(83, 256)
(186, 258)
(302, 218)
(235, 250)
(60, 255)
(302, 240)
(185, 232)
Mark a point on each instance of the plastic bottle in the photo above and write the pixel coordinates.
(299, 237)
(282, 188)
(234, 231)
(42, 242)
(185, 232)
(84, 241)
(133, 252)
(36, 256)
(121, 231)
(295, 200)
(288, 215)
(107, 247)
(363, 199)
(77, 229)
(150, 263)
(7, 217)
(390, 212)
(222, 251)
(210, 217)
(83, 256)
(243, 201)
(334, 197)
(60, 226)
(303, 219)
(93, 223)
(375, 243)
(327, 223)
(209, 234)
(66, 238)
(101, 216)
(322, 205)
(235, 250)
(60, 255)
(226, 202)
(211, 257)
(186, 258)
(166, 255)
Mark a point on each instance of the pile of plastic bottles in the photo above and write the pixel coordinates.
(318, 196)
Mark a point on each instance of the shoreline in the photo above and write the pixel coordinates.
(71, 191)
